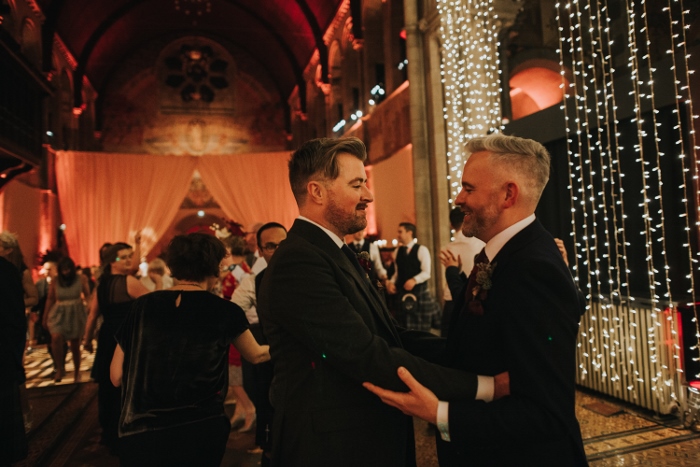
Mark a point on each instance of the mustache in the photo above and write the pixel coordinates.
(361, 206)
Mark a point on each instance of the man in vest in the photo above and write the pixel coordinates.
(410, 281)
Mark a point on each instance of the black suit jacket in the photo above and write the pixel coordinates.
(529, 328)
(329, 331)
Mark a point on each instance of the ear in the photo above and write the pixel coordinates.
(512, 193)
(316, 192)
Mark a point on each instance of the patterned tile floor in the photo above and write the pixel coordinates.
(629, 437)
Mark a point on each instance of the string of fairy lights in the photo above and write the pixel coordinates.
(623, 343)
(598, 163)
(470, 74)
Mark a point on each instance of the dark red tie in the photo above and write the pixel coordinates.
(472, 307)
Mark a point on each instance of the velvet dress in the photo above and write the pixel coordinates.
(175, 377)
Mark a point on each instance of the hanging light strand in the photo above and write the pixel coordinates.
(683, 95)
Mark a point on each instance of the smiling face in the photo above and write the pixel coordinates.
(348, 197)
(122, 265)
(480, 198)
(404, 236)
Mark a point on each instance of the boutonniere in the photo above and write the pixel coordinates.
(484, 271)
(366, 262)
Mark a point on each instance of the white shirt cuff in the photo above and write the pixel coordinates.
(485, 389)
(443, 425)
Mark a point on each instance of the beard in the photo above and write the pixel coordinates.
(346, 223)
(476, 223)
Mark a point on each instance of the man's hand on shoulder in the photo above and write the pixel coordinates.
(419, 401)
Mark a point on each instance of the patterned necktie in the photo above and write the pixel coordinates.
(472, 307)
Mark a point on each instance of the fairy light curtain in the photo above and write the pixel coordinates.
(469, 71)
(632, 182)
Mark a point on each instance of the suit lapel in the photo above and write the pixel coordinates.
(320, 239)
(520, 240)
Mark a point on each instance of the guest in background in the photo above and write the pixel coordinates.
(10, 250)
(65, 316)
(233, 268)
(458, 260)
(257, 378)
(410, 281)
(116, 292)
(253, 258)
(13, 329)
(171, 359)
(157, 278)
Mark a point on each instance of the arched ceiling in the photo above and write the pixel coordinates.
(283, 34)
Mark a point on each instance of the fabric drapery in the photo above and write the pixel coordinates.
(251, 188)
(107, 197)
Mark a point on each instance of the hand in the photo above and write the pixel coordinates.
(390, 287)
(562, 250)
(447, 258)
(409, 284)
(87, 346)
(137, 237)
(418, 402)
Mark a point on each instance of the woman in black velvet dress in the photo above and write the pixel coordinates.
(172, 362)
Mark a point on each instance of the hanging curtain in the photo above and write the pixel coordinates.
(251, 188)
(108, 197)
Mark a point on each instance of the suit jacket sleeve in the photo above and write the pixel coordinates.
(327, 312)
(456, 280)
(537, 309)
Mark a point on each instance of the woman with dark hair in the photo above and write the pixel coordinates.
(65, 316)
(116, 292)
(171, 358)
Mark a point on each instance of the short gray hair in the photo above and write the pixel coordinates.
(521, 156)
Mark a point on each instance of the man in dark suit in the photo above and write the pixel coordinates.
(518, 313)
(329, 329)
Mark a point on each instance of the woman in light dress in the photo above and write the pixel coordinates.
(65, 315)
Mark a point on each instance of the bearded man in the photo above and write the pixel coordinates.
(329, 329)
(519, 313)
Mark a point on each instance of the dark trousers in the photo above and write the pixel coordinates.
(446, 317)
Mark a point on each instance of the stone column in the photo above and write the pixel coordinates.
(419, 125)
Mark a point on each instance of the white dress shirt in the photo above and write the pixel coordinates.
(244, 296)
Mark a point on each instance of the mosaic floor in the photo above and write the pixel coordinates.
(614, 433)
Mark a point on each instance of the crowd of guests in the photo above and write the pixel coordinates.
(307, 343)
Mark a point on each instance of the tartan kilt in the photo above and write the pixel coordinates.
(423, 316)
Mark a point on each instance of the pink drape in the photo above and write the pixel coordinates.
(251, 188)
(108, 197)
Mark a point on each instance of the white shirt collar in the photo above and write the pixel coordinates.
(494, 245)
(410, 245)
(333, 236)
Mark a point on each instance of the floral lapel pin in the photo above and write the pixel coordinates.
(366, 262)
(483, 285)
